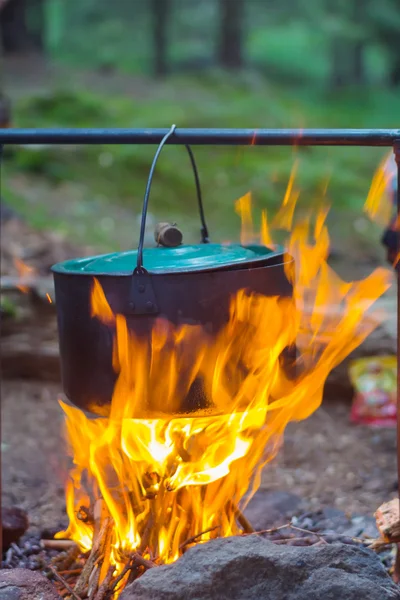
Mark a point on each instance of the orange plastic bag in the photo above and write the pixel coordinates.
(374, 382)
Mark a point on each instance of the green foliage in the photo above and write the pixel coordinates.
(111, 179)
(64, 107)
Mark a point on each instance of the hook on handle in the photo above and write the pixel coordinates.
(204, 229)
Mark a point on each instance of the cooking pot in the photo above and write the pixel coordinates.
(186, 285)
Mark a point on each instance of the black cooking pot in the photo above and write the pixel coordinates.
(187, 284)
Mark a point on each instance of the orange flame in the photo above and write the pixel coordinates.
(284, 217)
(243, 209)
(377, 206)
(26, 275)
(166, 476)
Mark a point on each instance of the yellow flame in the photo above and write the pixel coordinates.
(377, 205)
(166, 475)
(284, 217)
(243, 209)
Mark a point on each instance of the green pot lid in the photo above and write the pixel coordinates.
(198, 257)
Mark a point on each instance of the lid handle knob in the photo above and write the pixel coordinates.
(168, 235)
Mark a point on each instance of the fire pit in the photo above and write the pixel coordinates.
(184, 358)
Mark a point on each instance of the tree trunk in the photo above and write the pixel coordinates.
(358, 74)
(37, 31)
(160, 12)
(337, 75)
(359, 77)
(231, 17)
(15, 35)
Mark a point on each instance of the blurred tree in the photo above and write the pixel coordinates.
(358, 74)
(17, 34)
(231, 26)
(385, 27)
(348, 30)
(160, 10)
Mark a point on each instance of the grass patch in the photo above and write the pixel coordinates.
(118, 174)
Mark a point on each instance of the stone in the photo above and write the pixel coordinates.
(330, 519)
(362, 526)
(270, 509)
(253, 568)
(22, 584)
(14, 523)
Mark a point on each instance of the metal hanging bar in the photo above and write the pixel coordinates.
(215, 137)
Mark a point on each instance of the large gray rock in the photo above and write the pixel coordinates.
(21, 584)
(252, 568)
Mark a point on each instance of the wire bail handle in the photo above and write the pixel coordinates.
(204, 230)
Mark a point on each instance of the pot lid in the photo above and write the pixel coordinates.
(197, 257)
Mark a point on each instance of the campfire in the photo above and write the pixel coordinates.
(147, 484)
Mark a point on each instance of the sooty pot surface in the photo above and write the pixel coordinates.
(186, 285)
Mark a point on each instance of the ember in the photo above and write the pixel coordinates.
(143, 490)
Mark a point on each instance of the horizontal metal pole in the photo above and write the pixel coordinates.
(216, 137)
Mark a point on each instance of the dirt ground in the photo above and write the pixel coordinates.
(324, 460)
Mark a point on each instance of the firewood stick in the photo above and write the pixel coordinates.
(102, 524)
(241, 519)
(103, 589)
(137, 562)
(143, 562)
(64, 583)
(93, 583)
(146, 534)
(65, 560)
(67, 572)
(129, 565)
(95, 554)
(193, 538)
(99, 514)
(58, 544)
(104, 563)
